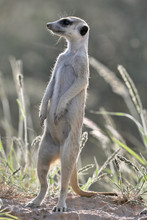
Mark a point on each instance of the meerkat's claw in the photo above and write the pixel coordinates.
(59, 209)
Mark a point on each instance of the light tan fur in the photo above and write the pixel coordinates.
(62, 110)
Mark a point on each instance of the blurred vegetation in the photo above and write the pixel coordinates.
(117, 36)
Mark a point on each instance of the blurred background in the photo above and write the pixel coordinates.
(118, 35)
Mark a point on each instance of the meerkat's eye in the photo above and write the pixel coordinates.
(66, 22)
(83, 30)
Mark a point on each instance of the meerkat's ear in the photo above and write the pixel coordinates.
(83, 30)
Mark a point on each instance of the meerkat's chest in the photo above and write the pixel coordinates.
(65, 77)
(65, 74)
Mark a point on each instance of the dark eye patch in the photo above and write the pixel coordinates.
(83, 30)
(66, 22)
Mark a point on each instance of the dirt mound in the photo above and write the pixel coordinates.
(79, 208)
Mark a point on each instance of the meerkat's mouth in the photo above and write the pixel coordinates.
(54, 30)
(57, 32)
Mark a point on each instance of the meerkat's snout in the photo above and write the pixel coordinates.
(55, 28)
(48, 25)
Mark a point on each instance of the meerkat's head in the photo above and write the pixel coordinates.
(71, 28)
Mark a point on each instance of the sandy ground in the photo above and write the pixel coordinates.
(79, 208)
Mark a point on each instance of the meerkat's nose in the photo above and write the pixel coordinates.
(49, 25)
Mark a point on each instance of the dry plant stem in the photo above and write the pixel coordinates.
(29, 119)
(138, 192)
(135, 98)
(20, 125)
(6, 108)
(143, 123)
(144, 136)
(131, 87)
(20, 78)
(83, 141)
(108, 161)
(144, 128)
(15, 72)
(129, 163)
(2, 151)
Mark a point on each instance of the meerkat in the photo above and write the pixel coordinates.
(62, 110)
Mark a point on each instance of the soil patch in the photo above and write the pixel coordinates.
(79, 208)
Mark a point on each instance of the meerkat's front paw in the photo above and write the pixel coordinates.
(42, 118)
(42, 114)
(59, 114)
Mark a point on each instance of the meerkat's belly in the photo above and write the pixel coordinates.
(65, 77)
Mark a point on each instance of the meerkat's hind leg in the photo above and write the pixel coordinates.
(48, 152)
(69, 153)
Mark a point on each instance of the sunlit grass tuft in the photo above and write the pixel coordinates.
(130, 178)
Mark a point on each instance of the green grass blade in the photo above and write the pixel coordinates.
(142, 161)
(145, 139)
(7, 215)
(10, 159)
(21, 108)
(117, 185)
(6, 218)
(121, 114)
(2, 150)
(11, 216)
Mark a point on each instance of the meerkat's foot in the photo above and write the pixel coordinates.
(33, 204)
(60, 207)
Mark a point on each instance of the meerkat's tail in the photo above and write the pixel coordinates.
(75, 186)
